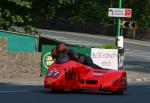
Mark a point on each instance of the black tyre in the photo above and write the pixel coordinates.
(76, 90)
(119, 92)
(57, 90)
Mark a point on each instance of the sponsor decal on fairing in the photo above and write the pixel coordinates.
(53, 73)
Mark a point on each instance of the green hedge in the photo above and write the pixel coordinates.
(108, 46)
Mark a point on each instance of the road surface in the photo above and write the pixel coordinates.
(37, 94)
(137, 53)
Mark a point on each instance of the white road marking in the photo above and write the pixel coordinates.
(141, 56)
(146, 79)
(135, 51)
(132, 52)
(15, 91)
(138, 53)
(143, 44)
(146, 53)
(138, 80)
(129, 80)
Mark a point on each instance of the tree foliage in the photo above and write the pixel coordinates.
(24, 12)
(15, 13)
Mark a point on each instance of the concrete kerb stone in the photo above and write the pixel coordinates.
(138, 77)
(23, 81)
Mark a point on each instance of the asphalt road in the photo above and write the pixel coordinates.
(137, 53)
(37, 94)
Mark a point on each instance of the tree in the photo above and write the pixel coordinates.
(141, 11)
(25, 12)
(16, 13)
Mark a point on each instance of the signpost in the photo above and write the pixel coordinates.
(129, 25)
(119, 12)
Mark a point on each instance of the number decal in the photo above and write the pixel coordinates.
(70, 73)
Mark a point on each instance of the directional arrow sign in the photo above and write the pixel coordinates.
(119, 12)
(129, 24)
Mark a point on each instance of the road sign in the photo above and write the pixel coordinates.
(120, 12)
(129, 24)
(105, 58)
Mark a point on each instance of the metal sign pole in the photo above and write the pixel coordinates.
(119, 22)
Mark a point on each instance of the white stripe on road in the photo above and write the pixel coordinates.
(146, 53)
(138, 80)
(135, 51)
(19, 91)
(146, 79)
(138, 53)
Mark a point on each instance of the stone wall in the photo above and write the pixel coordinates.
(18, 64)
(13, 65)
(3, 45)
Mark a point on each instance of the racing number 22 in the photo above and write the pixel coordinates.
(70, 74)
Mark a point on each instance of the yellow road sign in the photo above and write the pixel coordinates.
(128, 24)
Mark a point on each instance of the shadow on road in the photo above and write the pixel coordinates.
(69, 92)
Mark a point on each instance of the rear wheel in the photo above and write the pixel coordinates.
(57, 90)
(76, 90)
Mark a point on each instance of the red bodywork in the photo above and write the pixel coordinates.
(73, 75)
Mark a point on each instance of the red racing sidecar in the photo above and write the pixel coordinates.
(75, 76)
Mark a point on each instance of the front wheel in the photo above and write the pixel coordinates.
(119, 92)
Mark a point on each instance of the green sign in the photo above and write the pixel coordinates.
(18, 42)
(47, 58)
